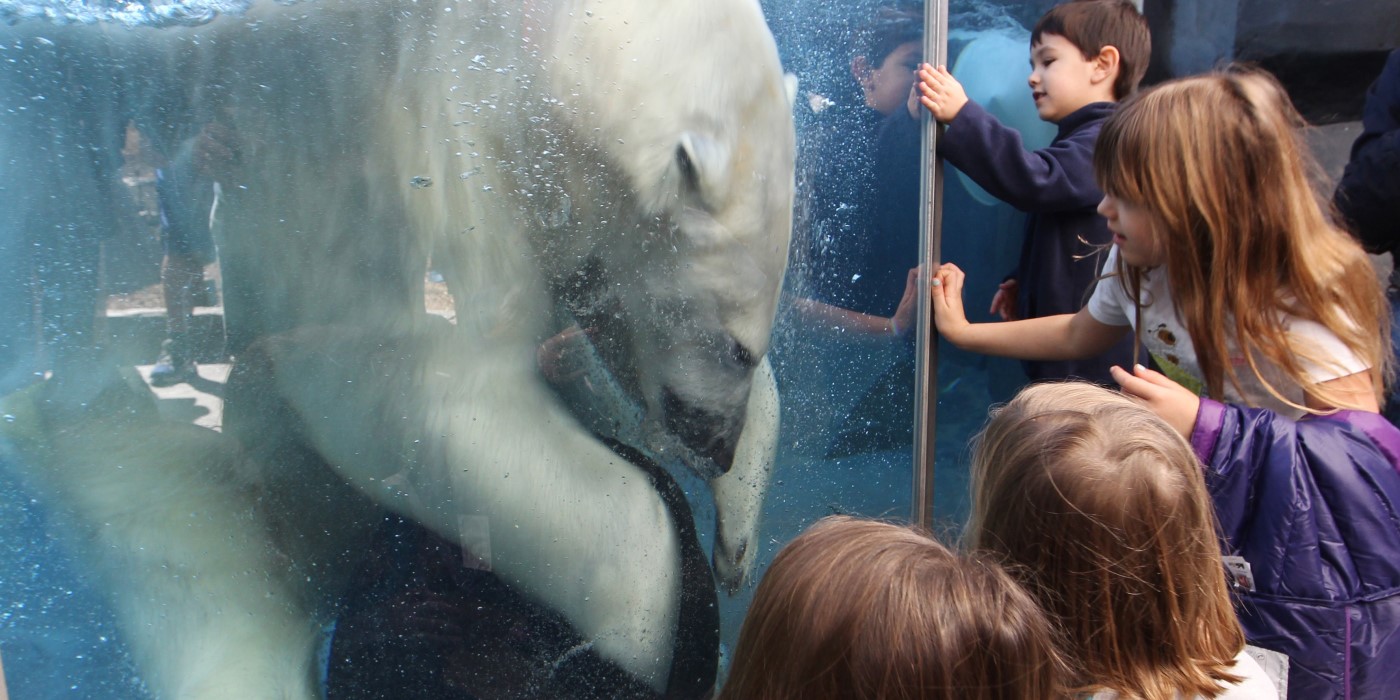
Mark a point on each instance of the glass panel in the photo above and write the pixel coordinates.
(385, 349)
(989, 53)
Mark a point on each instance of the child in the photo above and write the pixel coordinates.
(1100, 509)
(1308, 509)
(855, 248)
(1223, 260)
(1085, 56)
(856, 609)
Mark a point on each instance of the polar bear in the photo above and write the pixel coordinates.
(624, 166)
(166, 517)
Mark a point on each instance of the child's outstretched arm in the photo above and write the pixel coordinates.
(1061, 337)
(1059, 177)
(1178, 405)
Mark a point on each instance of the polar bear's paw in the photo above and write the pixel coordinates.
(739, 493)
(733, 559)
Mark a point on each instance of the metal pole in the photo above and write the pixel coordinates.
(930, 254)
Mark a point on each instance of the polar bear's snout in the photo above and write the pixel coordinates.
(710, 435)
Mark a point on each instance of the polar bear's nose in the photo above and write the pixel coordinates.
(710, 435)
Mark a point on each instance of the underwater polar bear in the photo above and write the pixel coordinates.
(621, 165)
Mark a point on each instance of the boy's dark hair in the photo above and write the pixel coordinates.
(887, 30)
(1093, 24)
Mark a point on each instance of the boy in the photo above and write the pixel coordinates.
(857, 260)
(1085, 57)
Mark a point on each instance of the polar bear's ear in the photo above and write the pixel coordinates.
(704, 167)
(790, 87)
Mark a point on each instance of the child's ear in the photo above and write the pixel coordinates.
(862, 70)
(1106, 65)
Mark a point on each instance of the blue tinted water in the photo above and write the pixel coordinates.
(58, 638)
(129, 14)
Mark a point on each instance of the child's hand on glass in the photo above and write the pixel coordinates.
(943, 95)
(946, 289)
(1172, 402)
(903, 319)
(562, 357)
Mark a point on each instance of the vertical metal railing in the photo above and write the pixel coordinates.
(930, 255)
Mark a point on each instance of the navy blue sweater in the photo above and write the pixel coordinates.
(1055, 186)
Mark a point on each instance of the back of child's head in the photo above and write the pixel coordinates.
(1100, 508)
(1220, 163)
(855, 609)
(1093, 24)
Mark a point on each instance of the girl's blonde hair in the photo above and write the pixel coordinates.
(859, 609)
(1100, 509)
(1220, 162)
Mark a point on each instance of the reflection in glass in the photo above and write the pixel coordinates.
(535, 329)
(594, 199)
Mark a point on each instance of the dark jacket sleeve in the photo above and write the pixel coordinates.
(1368, 195)
(1059, 177)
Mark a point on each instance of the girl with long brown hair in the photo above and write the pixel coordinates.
(1101, 511)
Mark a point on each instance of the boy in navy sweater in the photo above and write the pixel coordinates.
(1085, 57)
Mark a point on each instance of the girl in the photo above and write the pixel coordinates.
(1100, 509)
(858, 609)
(1310, 510)
(1222, 259)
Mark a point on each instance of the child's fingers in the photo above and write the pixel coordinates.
(1143, 382)
(1175, 404)
(1154, 377)
(952, 280)
(935, 77)
(948, 313)
(1133, 385)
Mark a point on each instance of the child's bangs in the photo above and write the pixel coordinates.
(1121, 161)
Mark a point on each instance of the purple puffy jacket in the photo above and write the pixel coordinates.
(1314, 506)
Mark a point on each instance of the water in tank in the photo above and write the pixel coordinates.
(460, 348)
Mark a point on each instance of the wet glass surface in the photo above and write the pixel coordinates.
(508, 340)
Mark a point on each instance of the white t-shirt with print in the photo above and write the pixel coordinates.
(1164, 335)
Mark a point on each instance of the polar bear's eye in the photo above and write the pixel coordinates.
(687, 167)
(741, 355)
(703, 163)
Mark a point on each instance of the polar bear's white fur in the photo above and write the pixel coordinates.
(622, 164)
(165, 517)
